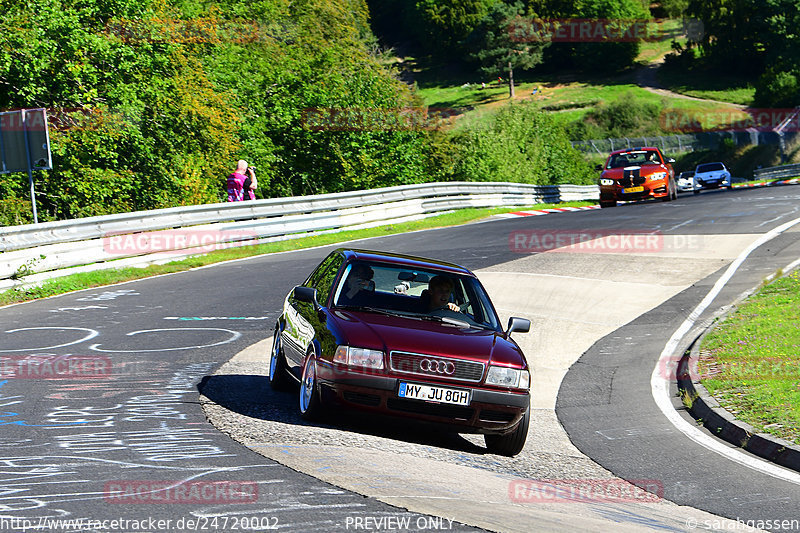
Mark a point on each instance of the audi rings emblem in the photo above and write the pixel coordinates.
(437, 367)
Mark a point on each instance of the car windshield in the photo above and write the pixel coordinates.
(710, 167)
(406, 291)
(633, 158)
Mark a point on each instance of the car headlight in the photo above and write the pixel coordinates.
(657, 176)
(508, 377)
(350, 355)
(606, 181)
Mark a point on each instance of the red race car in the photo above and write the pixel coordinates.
(408, 337)
(636, 174)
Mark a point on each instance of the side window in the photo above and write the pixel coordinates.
(322, 278)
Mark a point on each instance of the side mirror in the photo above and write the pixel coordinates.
(670, 160)
(523, 325)
(306, 294)
(599, 168)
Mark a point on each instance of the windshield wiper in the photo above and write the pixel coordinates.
(368, 309)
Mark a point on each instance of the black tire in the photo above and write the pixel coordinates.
(511, 443)
(612, 203)
(310, 405)
(697, 191)
(278, 378)
(672, 194)
(674, 190)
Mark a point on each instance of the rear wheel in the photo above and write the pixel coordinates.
(310, 405)
(278, 379)
(511, 443)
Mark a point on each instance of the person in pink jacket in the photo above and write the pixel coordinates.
(240, 185)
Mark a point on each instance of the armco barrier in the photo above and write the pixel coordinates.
(773, 173)
(83, 241)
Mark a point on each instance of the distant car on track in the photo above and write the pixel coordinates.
(711, 176)
(636, 174)
(685, 181)
(375, 331)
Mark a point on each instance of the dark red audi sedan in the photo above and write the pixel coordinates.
(404, 336)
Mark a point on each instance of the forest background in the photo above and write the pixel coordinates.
(151, 102)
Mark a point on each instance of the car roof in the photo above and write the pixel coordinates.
(634, 149)
(353, 254)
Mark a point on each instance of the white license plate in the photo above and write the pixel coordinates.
(434, 394)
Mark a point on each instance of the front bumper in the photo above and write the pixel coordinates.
(650, 189)
(489, 411)
(713, 183)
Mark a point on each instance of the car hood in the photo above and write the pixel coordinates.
(390, 333)
(643, 170)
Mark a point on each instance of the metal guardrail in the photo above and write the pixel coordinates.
(57, 245)
(688, 142)
(779, 172)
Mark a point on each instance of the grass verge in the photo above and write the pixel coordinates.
(749, 362)
(86, 280)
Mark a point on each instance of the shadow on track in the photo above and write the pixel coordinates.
(252, 396)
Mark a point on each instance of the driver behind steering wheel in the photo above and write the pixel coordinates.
(439, 290)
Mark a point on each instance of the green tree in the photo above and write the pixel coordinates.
(504, 41)
(605, 56)
(444, 24)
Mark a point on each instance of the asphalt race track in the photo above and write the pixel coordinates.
(114, 442)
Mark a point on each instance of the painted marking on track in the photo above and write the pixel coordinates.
(233, 336)
(660, 387)
(92, 334)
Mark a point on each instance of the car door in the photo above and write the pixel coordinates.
(303, 322)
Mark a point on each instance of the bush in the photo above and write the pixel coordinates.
(778, 89)
(520, 144)
(624, 117)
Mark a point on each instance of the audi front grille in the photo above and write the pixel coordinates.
(440, 367)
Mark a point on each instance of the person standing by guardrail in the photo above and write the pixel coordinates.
(240, 185)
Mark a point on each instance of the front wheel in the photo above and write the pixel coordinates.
(278, 379)
(511, 443)
(310, 406)
(612, 203)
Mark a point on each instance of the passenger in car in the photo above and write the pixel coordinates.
(358, 284)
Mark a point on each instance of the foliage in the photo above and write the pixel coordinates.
(626, 116)
(152, 101)
(503, 39)
(778, 89)
(520, 144)
(760, 38)
(591, 56)
(437, 27)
